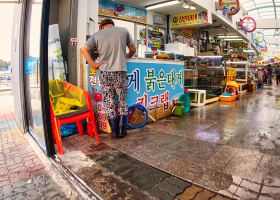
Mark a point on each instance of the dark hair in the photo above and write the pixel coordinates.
(106, 22)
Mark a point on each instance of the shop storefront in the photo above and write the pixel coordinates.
(175, 50)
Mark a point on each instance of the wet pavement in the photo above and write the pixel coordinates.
(23, 175)
(230, 148)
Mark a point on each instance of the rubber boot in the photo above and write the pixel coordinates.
(122, 126)
(114, 123)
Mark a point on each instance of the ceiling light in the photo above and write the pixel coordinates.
(249, 51)
(186, 6)
(228, 36)
(233, 39)
(168, 3)
(192, 7)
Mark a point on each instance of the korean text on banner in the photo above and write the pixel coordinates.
(189, 19)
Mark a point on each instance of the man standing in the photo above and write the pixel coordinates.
(270, 73)
(111, 43)
(277, 72)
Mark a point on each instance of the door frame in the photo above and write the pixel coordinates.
(48, 149)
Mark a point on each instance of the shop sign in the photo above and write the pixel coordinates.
(187, 32)
(189, 19)
(248, 24)
(230, 7)
(117, 10)
(153, 85)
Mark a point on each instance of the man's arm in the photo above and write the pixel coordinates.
(132, 51)
(85, 51)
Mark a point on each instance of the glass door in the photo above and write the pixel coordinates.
(32, 43)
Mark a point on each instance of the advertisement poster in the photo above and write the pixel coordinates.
(230, 7)
(56, 65)
(153, 85)
(189, 19)
(114, 9)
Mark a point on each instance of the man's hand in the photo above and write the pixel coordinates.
(97, 65)
(85, 52)
(132, 51)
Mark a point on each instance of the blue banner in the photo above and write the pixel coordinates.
(154, 85)
(121, 11)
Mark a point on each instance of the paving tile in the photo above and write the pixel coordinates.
(204, 195)
(161, 195)
(178, 182)
(189, 193)
(251, 186)
(172, 189)
(270, 190)
(245, 194)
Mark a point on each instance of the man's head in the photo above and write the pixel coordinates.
(106, 23)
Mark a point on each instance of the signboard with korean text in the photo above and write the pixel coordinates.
(230, 7)
(190, 18)
(153, 85)
(117, 10)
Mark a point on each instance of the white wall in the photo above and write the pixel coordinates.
(86, 9)
(17, 70)
(206, 4)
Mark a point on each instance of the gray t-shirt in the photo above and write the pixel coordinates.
(111, 43)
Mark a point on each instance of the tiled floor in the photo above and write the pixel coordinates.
(231, 148)
(22, 173)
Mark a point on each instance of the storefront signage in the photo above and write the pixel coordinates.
(188, 32)
(248, 24)
(230, 7)
(153, 85)
(189, 19)
(117, 10)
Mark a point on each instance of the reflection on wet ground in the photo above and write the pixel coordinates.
(232, 148)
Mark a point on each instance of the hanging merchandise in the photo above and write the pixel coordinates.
(230, 7)
(156, 39)
(56, 64)
(248, 24)
(260, 40)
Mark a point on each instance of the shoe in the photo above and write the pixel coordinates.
(114, 123)
(122, 126)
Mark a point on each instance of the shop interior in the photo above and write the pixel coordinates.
(214, 68)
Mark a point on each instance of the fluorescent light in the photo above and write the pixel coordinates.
(233, 39)
(186, 6)
(192, 7)
(228, 36)
(249, 51)
(169, 3)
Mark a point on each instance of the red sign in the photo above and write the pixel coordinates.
(73, 41)
(231, 7)
(248, 24)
